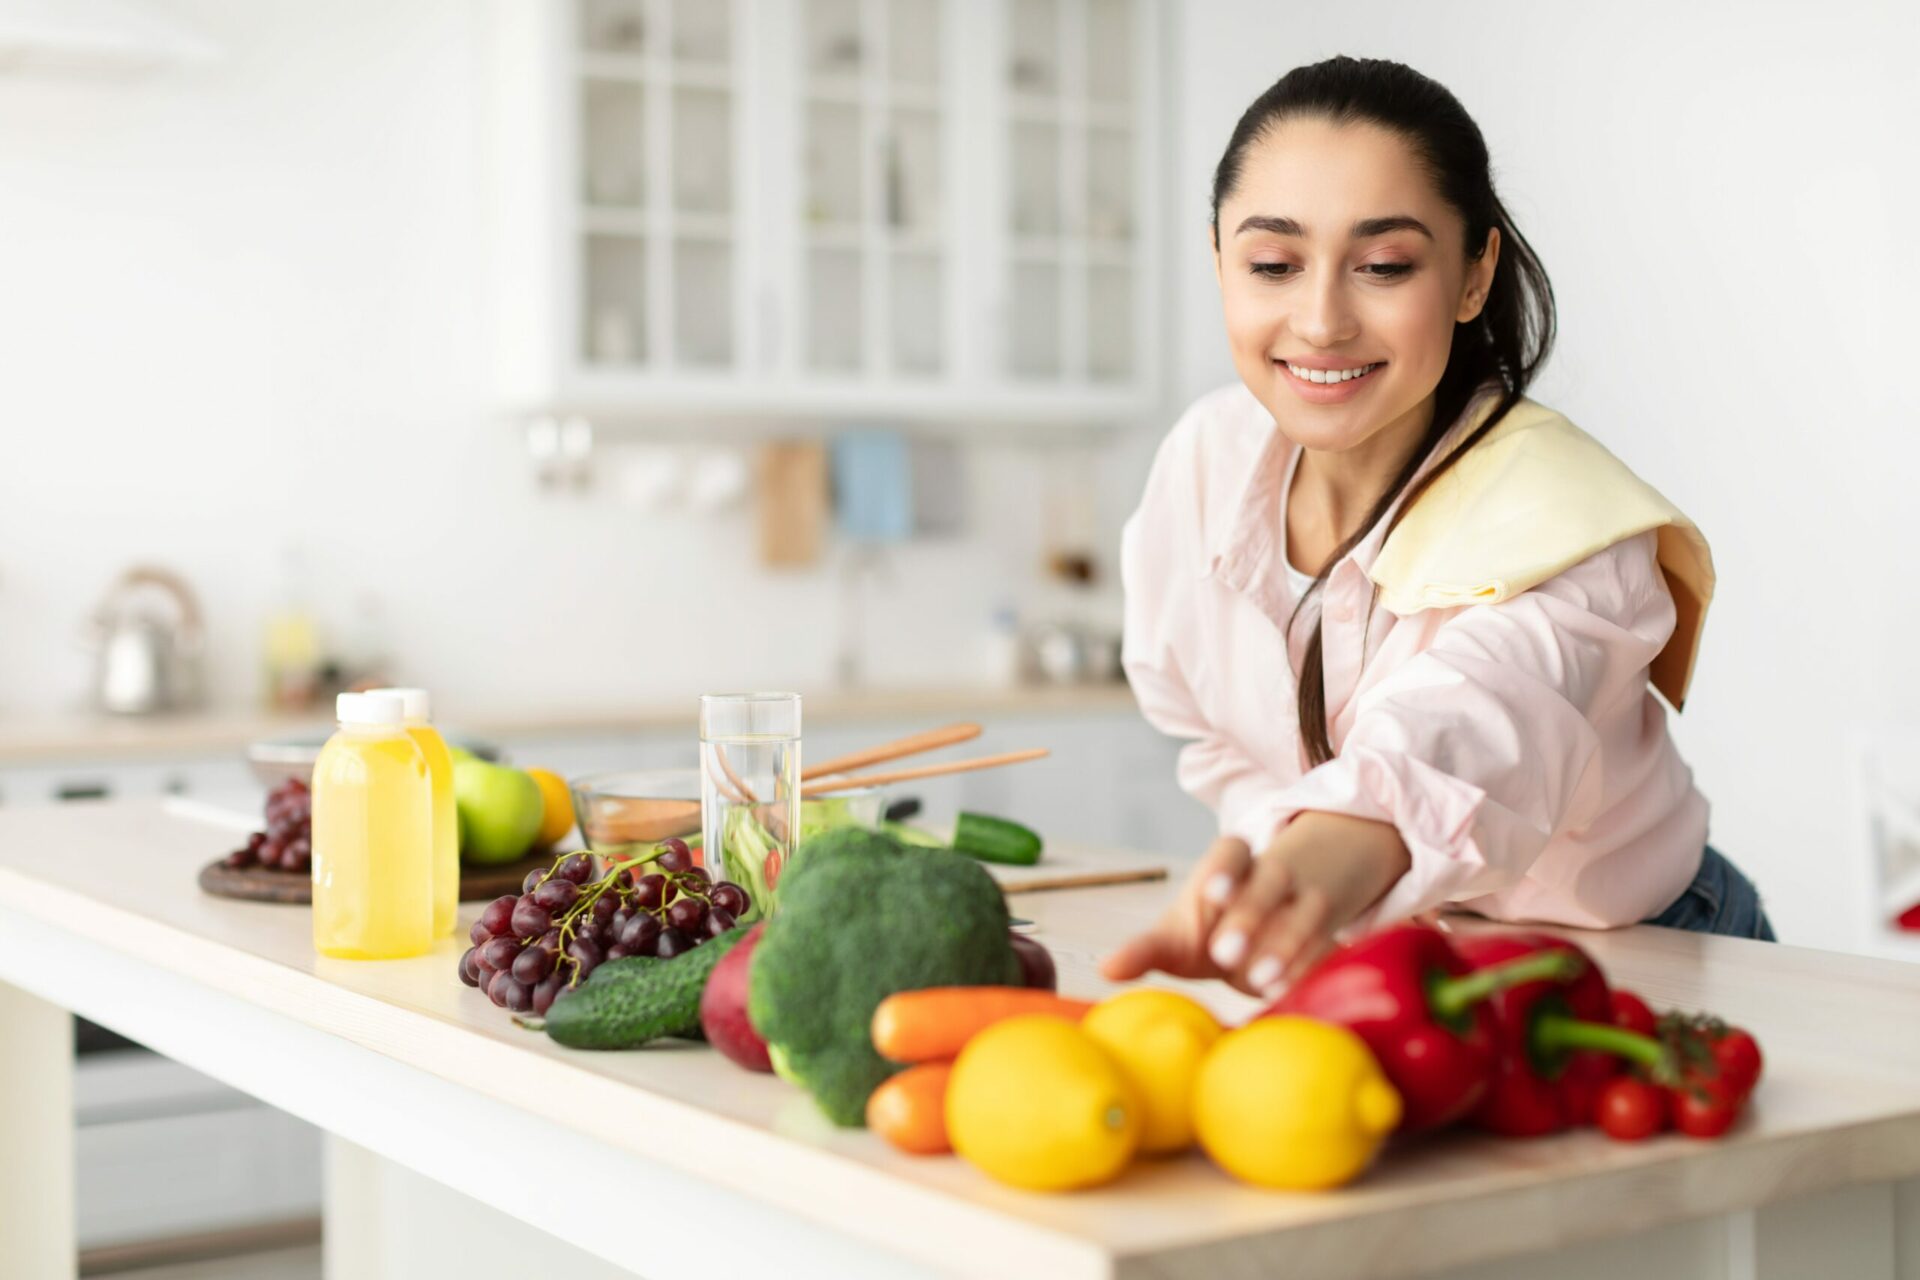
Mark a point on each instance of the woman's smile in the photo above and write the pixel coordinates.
(1327, 386)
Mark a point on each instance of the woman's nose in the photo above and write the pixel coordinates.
(1324, 316)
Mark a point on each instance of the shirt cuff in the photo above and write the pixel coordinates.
(1434, 813)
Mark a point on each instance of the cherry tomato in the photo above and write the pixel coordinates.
(1632, 1109)
(1631, 1012)
(1704, 1112)
(1737, 1054)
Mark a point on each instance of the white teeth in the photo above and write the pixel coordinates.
(1331, 375)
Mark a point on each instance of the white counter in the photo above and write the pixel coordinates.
(99, 914)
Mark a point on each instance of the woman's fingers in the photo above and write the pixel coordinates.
(1133, 957)
(1216, 881)
(1261, 894)
(1217, 876)
(1173, 945)
(1177, 943)
(1281, 939)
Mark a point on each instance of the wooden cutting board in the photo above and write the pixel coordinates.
(1079, 867)
(257, 884)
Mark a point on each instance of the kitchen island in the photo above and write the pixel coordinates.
(671, 1162)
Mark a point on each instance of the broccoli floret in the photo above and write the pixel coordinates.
(859, 919)
(829, 843)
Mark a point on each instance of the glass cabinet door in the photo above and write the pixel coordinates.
(658, 125)
(874, 271)
(1072, 213)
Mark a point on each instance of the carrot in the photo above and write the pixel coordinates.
(910, 1109)
(936, 1022)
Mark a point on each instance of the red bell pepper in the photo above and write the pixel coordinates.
(1422, 1009)
(1557, 1043)
(1631, 1012)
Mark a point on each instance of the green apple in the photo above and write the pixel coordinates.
(460, 753)
(500, 810)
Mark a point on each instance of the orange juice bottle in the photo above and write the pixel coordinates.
(372, 836)
(418, 710)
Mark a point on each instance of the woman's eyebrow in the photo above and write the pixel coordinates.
(1361, 230)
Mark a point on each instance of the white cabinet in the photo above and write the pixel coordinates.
(934, 210)
(164, 1153)
(53, 782)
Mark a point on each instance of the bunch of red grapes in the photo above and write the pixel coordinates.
(529, 949)
(287, 843)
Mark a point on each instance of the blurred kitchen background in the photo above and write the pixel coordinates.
(574, 357)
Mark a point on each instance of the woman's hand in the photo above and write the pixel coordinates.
(1178, 942)
(1262, 922)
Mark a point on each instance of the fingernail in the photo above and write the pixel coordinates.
(1264, 974)
(1219, 889)
(1228, 948)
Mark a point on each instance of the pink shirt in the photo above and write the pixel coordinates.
(1516, 747)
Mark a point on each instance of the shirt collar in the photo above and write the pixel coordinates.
(1246, 554)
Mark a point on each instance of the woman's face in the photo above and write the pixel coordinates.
(1304, 280)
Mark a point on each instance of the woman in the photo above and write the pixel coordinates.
(1412, 621)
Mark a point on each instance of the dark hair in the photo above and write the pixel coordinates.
(1504, 345)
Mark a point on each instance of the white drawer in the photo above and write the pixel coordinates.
(163, 1151)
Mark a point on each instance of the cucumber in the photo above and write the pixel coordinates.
(626, 1003)
(996, 840)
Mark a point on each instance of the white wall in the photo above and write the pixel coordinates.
(241, 306)
(1713, 189)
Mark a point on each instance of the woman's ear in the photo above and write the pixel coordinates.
(1213, 247)
(1473, 297)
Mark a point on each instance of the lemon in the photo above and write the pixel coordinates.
(1159, 1038)
(1035, 1102)
(1294, 1103)
(557, 819)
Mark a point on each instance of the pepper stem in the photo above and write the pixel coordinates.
(1557, 1033)
(1449, 998)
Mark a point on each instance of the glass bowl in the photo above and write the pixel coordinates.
(274, 761)
(630, 811)
(635, 809)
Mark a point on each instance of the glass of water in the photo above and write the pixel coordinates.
(749, 789)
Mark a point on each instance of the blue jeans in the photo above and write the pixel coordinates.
(1720, 900)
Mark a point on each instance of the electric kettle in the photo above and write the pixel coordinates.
(147, 658)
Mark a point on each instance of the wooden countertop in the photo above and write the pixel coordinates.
(1840, 1103)
(84, 736)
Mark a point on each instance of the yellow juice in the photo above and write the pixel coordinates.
(446, 825)
(373, 873)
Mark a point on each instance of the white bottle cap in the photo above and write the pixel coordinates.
(414, 703)
(375, 710)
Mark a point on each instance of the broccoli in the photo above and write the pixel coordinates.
(860, 918)
(829, 843)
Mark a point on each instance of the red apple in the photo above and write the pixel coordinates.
(723, 1007)
(1036, 965)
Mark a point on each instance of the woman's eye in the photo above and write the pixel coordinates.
(1378, 270)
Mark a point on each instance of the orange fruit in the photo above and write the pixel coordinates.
(557, 819)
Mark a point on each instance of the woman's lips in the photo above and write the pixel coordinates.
(1327, 392)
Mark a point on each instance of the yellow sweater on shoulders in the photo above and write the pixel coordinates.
(1534, 497)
